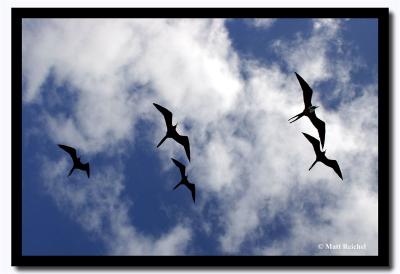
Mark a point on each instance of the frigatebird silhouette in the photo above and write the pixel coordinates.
(309, 110)
(171, 130)
(320, 156)
(184, 180)
(77, 161)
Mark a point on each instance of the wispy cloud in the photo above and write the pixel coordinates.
(263, 23)
(100, 207)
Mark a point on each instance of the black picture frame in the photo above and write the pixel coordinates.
(382, 259)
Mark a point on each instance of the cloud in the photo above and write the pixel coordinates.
(279, 186)
(106, 64)
(321, 55)
(111, 71)
(263, 23)
(100, 207)
(247, 159)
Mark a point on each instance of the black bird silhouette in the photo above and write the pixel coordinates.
(171, 130)
(77, 161)
(184, 180)
(320, 156)
(309, 110)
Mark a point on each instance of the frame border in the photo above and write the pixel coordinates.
(384, 178)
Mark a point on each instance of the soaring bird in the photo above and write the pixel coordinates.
(77, 161)
(309, 110)
(184, 180)
(171, 130)
(320, 156)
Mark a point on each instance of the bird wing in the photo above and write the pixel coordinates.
(184, 141)
(180, 165)
(70, 150)
(87, 169)
(319, 125)
(192, 188)
(334, 165)
(314, 142)
(307, 91)
(166, 113)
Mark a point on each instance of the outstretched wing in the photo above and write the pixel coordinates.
(184, 141)
(334, 165)
(166, 113)
(319, 125)
(307, 91)
(180, 165)
(314, 142)
(192, 188)
(70, 150)
(87, 169)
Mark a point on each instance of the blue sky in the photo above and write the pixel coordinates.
(231, 86)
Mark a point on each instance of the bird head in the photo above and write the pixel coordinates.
(312, 108)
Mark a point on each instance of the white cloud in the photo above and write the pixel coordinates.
(264, 23)
(245, 154)
(105, 61)
(98, 205)
(312, 56)
(278, 173)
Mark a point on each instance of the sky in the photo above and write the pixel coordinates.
(231, 86)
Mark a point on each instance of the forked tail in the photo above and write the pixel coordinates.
(70, 172)
(313, 164)
(177, 185)
(162, 140)
(298, 116)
